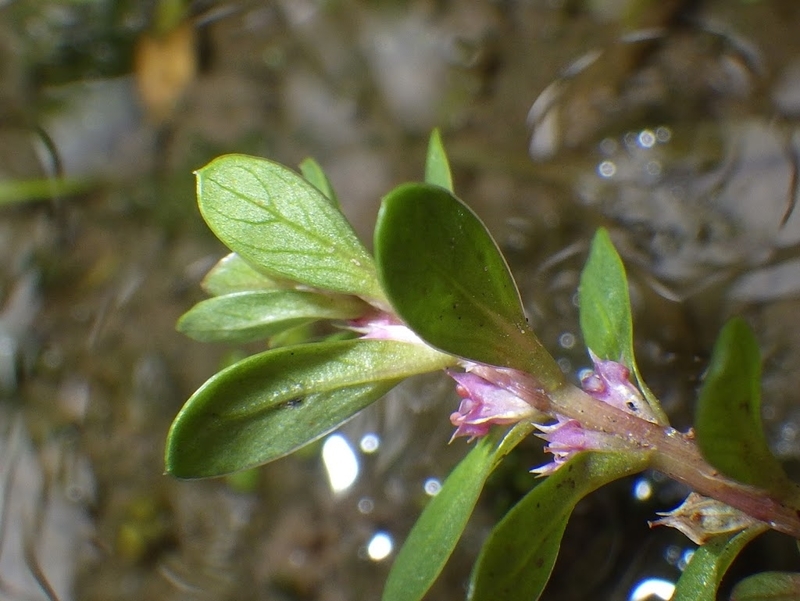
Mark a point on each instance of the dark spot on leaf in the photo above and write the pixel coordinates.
(539, 562)
(293, 402)
(631, 405)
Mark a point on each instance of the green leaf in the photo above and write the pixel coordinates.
(728, 414)
(270, 404)
(433, 538)
(700, 580)
(437, 167)
(279, 222)
(768, 586)
(516, 560)
(448, 281)
(605, 312)
(314, 174)
(246, 316)
(234, 274)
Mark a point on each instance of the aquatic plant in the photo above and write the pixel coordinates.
(438, 295)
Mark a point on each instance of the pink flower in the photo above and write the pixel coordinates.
(484, 404)
(567, 437)
(609, 382)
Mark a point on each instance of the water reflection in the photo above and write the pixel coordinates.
(653, 589)
(643, 489)
(369, 443)
(380, 546)
(432, 486)
(341, 463)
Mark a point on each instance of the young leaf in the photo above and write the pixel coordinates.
(437, 167)
(433, 538)
(270, 404)
(768, 586)
(247, 316)
(700, 580)
(605, 312)
(314, 174)
(448, 281)
(728, 414)
(278, 221)
(517, 558)
(234, 274)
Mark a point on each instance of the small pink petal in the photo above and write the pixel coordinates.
(610, 383)
(484, 404)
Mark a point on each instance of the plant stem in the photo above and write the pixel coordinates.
(675, 454)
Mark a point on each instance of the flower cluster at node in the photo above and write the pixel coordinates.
(493, 400)
(565, 438)
(610, 383)
(483, 404)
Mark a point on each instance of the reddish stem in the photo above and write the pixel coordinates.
(674, 454)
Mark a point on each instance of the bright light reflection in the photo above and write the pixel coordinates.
(686, 557)
(606, 169)
(380, 546)
(566, 340)
(647, 138)
(663, 134)
(370, 443)
(432, 486)
(340, 462)
(643, 489)
(366, 505)
(653, 589)
(672, 554)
